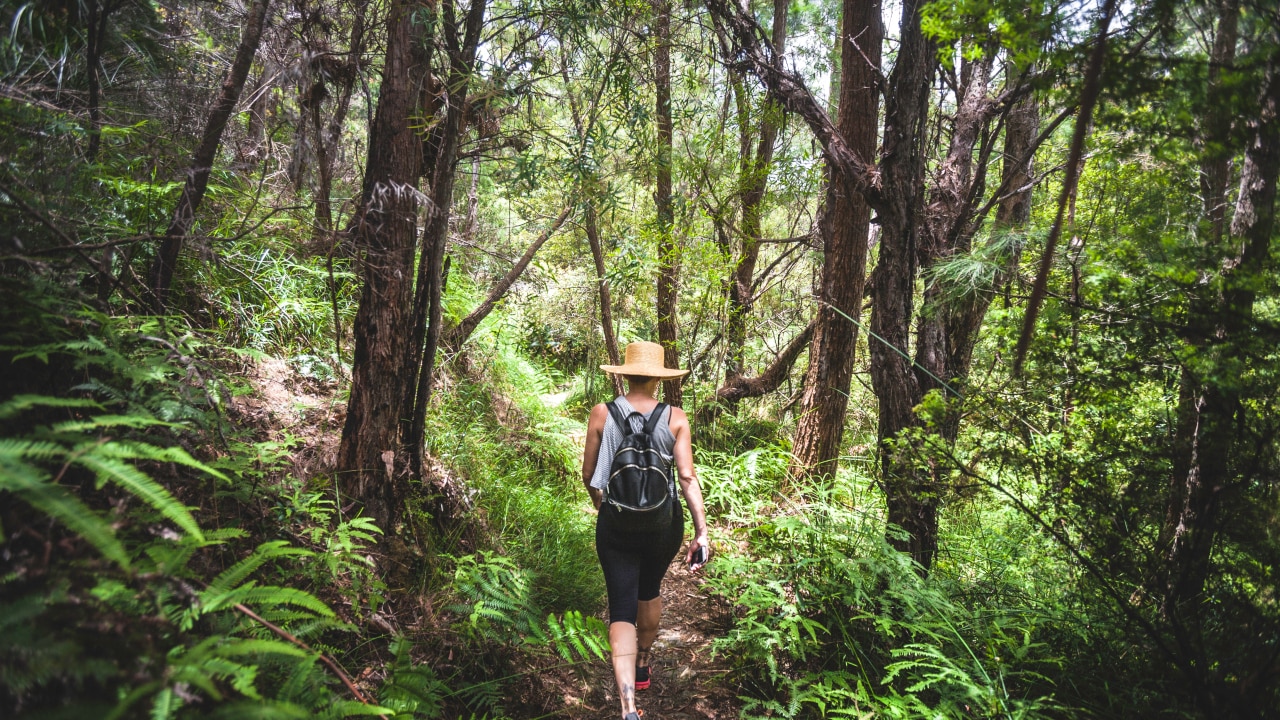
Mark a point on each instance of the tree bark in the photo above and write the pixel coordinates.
(1013, 212)
(753, 181)
(668, 251)
(458, 334)
(845, 228)
(370, 456)
(949, 232)
(161, 274)
(912, 504)
(419, 360)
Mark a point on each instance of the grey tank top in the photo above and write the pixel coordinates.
(613, 438)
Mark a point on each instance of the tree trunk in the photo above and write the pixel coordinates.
(949, 232)
(742, 50)
(96, 33)
(606, 300)
(419, 361)
(250, 150)
(160, 276)
(911, 502)
(1013, 212)
(458, 334)
(668, 252)
(753, 180)
(328, 136)
(1203, 480)
(845, 229)
(384, 228)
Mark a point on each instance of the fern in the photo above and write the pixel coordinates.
(578, 637)
(497, 598)
(33, 486)
(27, 464)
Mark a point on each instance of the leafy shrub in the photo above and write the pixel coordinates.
(833, 622)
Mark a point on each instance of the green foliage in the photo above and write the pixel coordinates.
(740, 489)
(26, 469)
(163, 628)
(503, 435)
(832, 622)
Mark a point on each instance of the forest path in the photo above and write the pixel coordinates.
(687, 682)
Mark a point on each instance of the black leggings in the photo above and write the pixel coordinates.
(635, 563)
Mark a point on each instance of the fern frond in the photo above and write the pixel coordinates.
(130, 450)
(20, 403)
(165, 705)
(351, 708)
(261, 710)
(267, 551)
(109, 421)
(233, 648)
(33, 450)
(97, 459)
(33, 487)
(269, 595)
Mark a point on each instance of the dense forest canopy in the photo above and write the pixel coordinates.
(304, 303)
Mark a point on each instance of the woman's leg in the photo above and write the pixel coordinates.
(648, 617)
(621, 566)
(622, 640)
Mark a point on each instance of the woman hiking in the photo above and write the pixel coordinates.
(636, 548)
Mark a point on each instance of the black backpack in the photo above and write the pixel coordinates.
(639, 491)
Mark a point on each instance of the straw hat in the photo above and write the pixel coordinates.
(644, 359)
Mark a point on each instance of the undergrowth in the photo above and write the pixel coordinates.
(514, 450)
(160, 561)
(833, 622)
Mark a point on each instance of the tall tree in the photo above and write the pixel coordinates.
(1205, 483)
(911, 501)
(845, 229)
(384, 230)
(743, 286)
(668, 250)
(753, 181)
(160, 277)
(462, 39)
(592, 185)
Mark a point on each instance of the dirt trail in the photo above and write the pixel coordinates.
(687, 682)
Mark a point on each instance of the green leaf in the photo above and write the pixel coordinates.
(19, 403)
(137, 482)
(31, 485)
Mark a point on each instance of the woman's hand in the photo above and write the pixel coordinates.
(698, 541)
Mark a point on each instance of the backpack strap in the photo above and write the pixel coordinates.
(616, 413)
(654, 417)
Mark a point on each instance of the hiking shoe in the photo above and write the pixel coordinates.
(634, 715)
(642, 678)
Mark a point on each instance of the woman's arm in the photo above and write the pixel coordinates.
(595, 433)
(689, 482)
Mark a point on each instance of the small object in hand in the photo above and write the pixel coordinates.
(699, 557)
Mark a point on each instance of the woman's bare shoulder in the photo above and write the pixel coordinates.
(598, 413)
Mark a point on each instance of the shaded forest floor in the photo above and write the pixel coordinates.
(688, 683)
